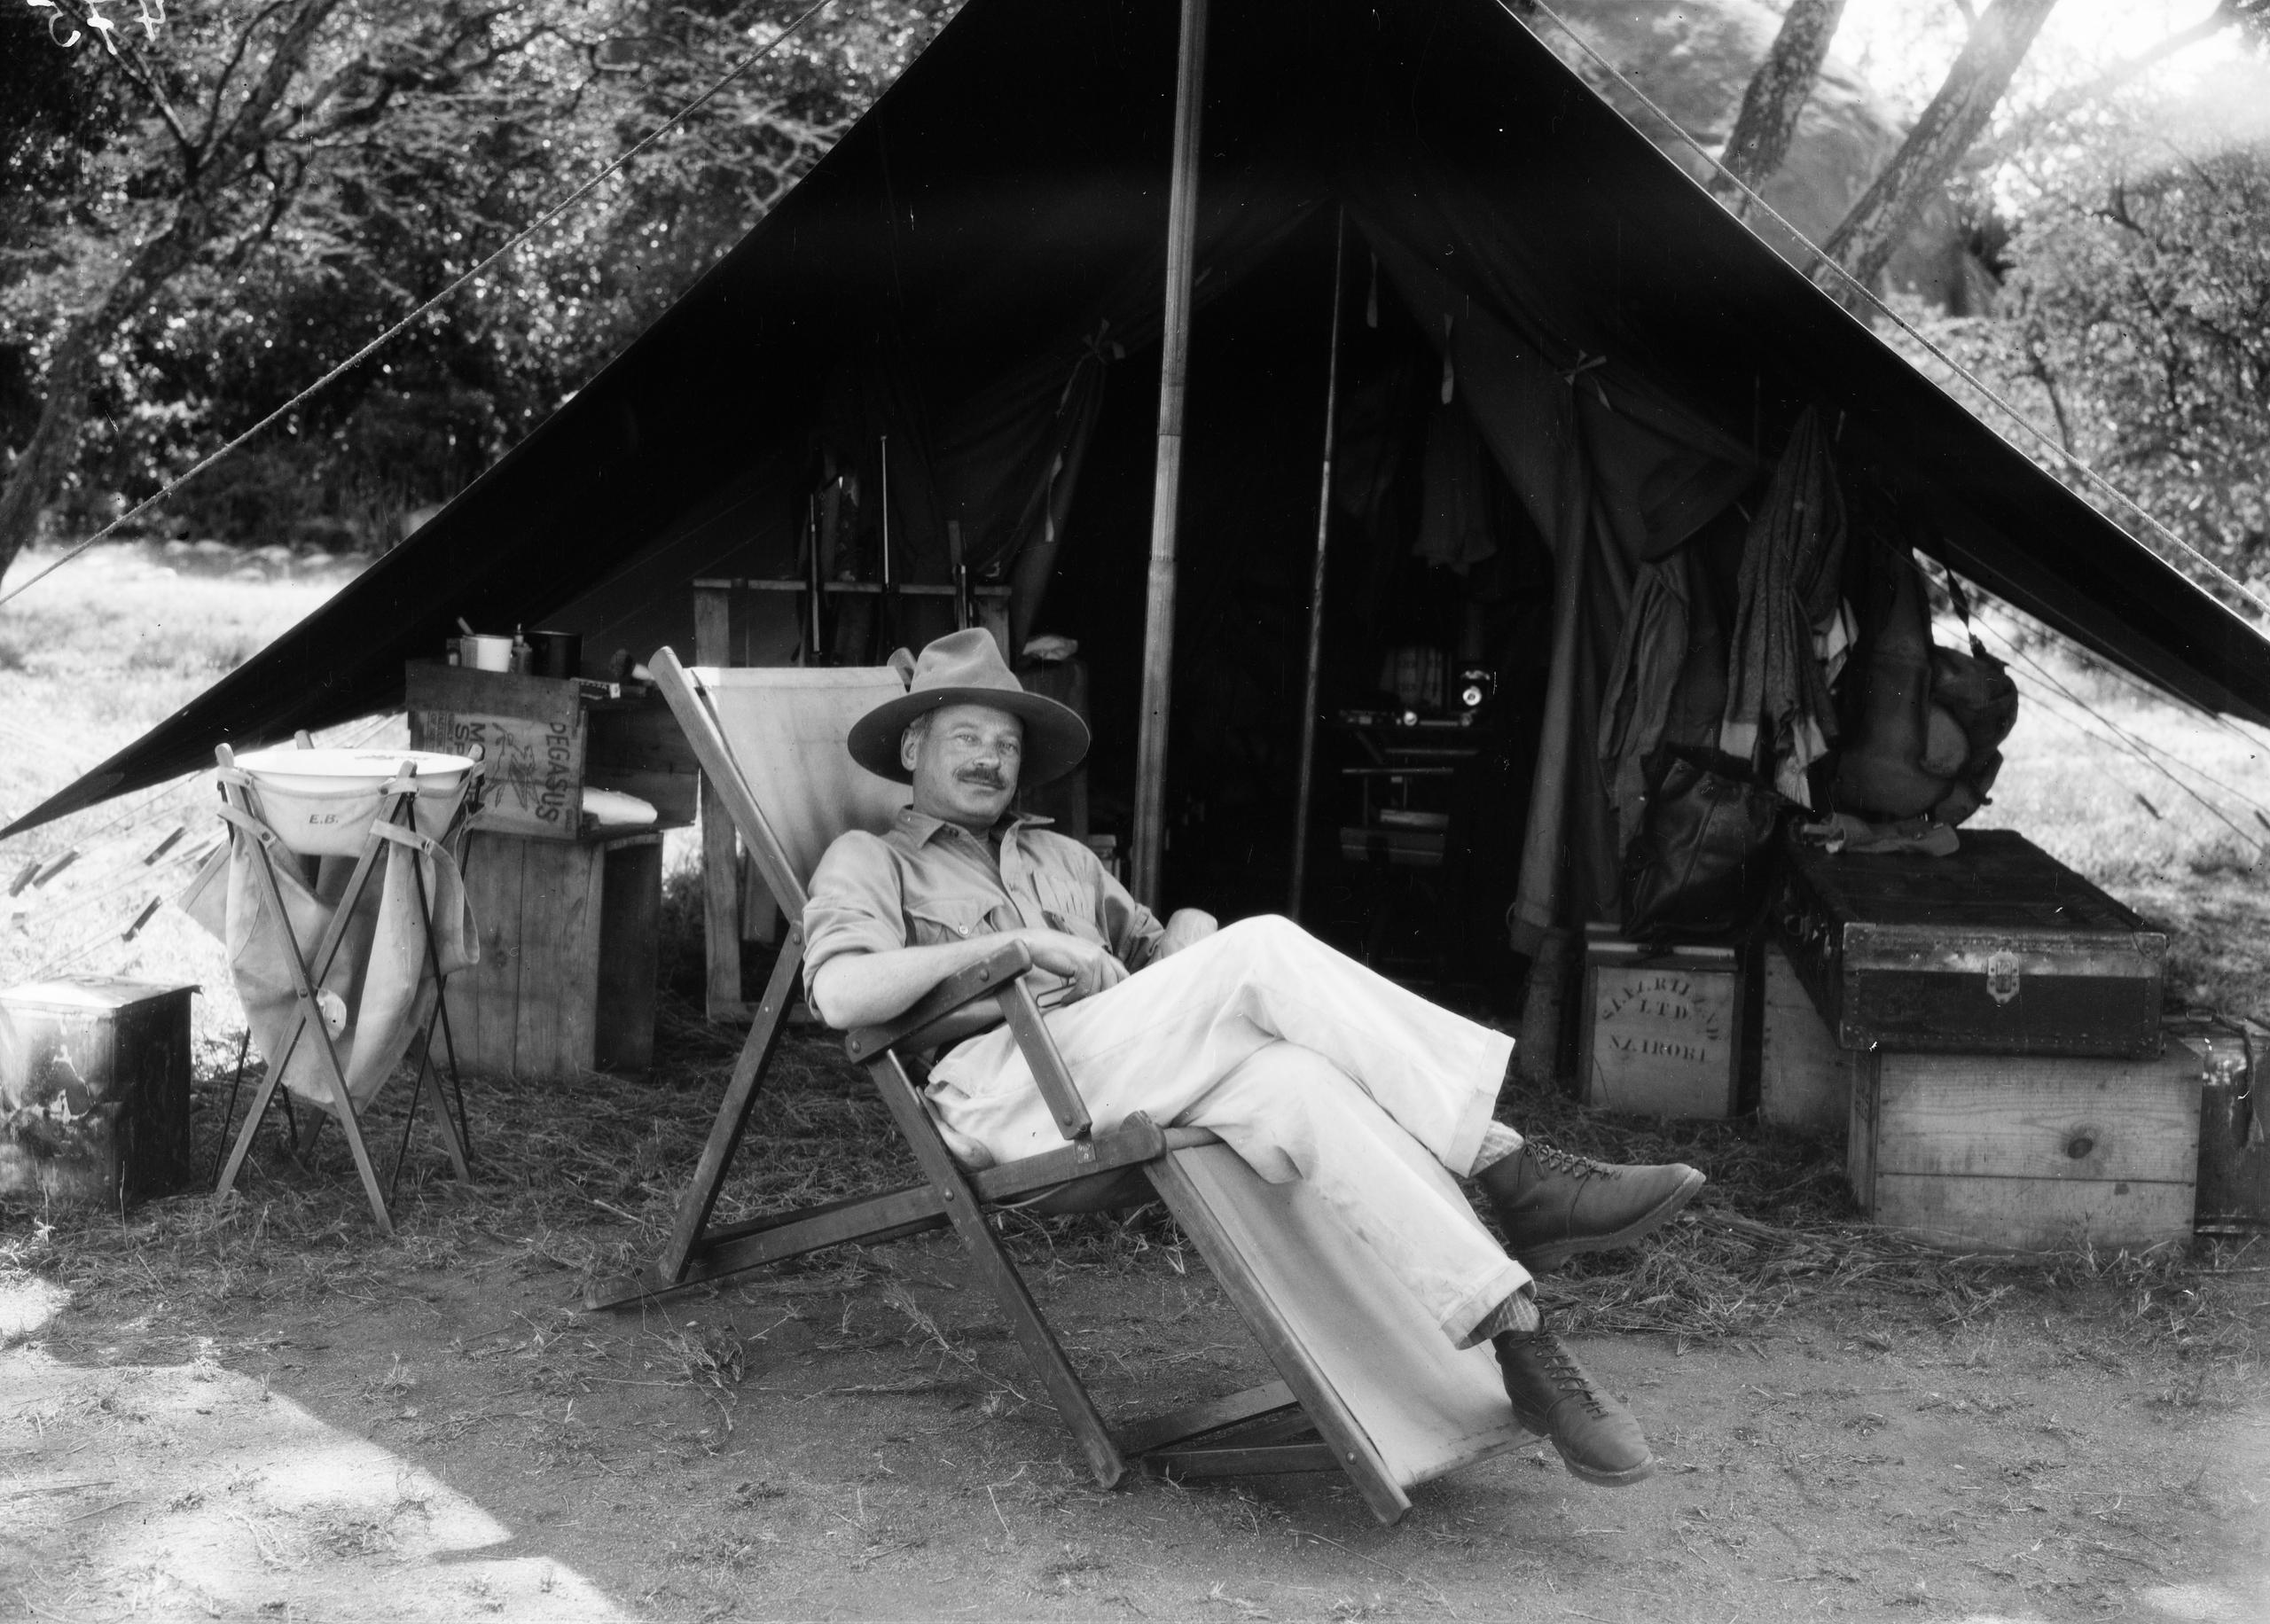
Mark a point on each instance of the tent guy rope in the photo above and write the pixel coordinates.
(2055, 447)
(379, 343)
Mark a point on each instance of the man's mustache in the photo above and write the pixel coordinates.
(986, 776)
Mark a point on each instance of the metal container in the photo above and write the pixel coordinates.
(2234, 1139)
(555, 653)
(94, 1090)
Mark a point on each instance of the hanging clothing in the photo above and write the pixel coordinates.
(1636, 713)
(1778, 711)
(1456, 480)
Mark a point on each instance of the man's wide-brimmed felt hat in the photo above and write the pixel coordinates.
(966, 668)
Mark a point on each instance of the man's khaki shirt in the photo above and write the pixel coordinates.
(925, 881)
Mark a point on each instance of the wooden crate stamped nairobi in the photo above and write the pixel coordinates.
(2026, 1152)
(1662, 1029)
(1997, 949)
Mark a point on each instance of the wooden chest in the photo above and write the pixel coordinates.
(1998, 949)
(94, 1090)
(2026, 1152)
(1662, 1030)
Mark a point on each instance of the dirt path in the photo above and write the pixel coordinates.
(460, 1442)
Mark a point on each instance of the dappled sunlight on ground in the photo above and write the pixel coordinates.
(193, 1491)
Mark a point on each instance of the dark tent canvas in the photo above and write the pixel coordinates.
(1565, 362)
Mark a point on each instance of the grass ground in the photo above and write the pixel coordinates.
(263, 1409)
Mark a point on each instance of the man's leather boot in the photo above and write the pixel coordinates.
(1555, 1205)
(1552, 1397)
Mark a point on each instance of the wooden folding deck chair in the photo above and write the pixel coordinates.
(1367, 1383)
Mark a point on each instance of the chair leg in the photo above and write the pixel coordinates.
(452, 1139)
(1065, 1388)
(700, 1197)
(262, 1095)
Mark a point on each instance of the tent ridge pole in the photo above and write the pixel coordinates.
(1174, 371)
(1306, 784)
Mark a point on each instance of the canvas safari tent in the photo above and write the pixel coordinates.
(1563, 362)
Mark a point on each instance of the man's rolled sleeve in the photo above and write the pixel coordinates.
(854, 904)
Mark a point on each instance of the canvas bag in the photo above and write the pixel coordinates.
(381, 985)
(1923, 723)
(1699, 864)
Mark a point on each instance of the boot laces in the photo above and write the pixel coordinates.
(1553, 1159)
(1561, 1369)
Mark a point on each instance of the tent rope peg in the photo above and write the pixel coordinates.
(55, 867)
(142, 919)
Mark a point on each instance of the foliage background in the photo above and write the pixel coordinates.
(441, 132)
(2111, 229)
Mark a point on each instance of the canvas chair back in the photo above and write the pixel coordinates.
(778, 733)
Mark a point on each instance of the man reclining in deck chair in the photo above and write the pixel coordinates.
(1304, 1062)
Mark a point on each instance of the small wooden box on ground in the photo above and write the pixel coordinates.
(1661, 1033)
(1997, 949)
(94, 1090)
(2026, 1152)
(569, 935)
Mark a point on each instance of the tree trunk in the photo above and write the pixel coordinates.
(37, 474)
(1864, 240)
(1776, 98)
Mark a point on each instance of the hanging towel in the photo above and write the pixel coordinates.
(1778, 711)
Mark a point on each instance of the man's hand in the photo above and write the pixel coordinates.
(1187, 925)
(1089, 968)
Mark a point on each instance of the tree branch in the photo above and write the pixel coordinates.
(2057, 108)
(1863, 242)
(130, 63)
(229, 68)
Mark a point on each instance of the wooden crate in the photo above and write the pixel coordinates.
(1662, 1032)
(569, 943)
(2031, 1152)
(94, 1090)
(1997, 949)
(1804, 1078)
(546, 740)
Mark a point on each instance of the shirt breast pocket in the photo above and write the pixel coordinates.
(941, 919)
(1067, 908)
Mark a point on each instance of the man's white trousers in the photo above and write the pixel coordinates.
(1308, 1065)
